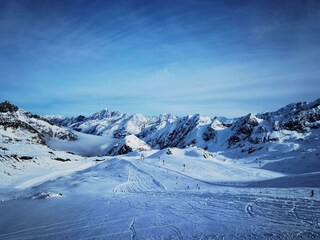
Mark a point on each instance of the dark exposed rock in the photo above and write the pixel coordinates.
(169, 152)
(233, 140)
(209, 134)
(80, 118)
(4, 149)
(26, 158)
(62, 160)
(251, 149)
(120, 133)
(6, 106)
(294, 125)
(123, 150)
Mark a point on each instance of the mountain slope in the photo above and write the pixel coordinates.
(11, 117)
(23, 148)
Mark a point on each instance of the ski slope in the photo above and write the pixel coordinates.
(155, 197)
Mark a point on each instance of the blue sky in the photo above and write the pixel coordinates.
(225, 58)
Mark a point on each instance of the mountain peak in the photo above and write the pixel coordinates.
(105, 113)
(7, 106)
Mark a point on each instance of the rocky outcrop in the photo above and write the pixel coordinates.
(6, 106)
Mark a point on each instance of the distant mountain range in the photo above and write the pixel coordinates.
(247, 134)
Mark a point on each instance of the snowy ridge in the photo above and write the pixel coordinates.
(105, 122)
(11, 117)
(248, 133)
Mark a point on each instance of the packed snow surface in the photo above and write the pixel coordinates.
(169, 194)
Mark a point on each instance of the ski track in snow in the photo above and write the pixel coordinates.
(138, 181)
(194, 211)
(142, 200)
(132, 229)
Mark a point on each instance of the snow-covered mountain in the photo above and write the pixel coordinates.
(23, 145)
(248, 133)
(291, 124)
(294, 121)
(105, 122)
(21, 122)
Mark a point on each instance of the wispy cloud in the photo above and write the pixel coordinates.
(159, 56)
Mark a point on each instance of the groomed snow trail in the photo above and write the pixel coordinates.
(139, 181)
(134, 199)
(162, 215)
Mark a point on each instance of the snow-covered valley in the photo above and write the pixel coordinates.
(57, 183)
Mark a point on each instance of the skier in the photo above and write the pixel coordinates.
(312, 193)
